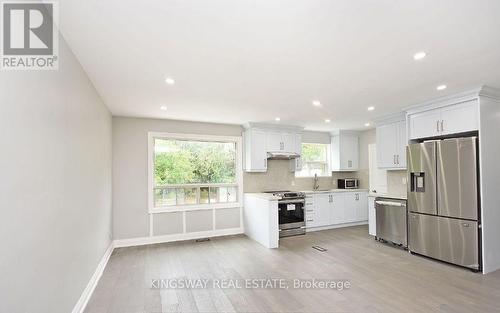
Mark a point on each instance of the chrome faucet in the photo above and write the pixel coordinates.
(316, 184)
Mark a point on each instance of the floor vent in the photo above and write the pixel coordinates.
(202, 240)
(320, 249)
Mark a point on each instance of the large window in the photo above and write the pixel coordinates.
(315, 160)
(193, 170)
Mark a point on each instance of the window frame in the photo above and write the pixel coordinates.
(328, 160)
(200, 206)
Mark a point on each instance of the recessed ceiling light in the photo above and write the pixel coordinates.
(170, 81)
(371, 108)
(327, 120)
(163, 108)
(441, 87)
(419, 55)
(316, 103)
(367, 124)
(277, 119)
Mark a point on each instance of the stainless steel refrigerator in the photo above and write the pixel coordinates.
(443, 201)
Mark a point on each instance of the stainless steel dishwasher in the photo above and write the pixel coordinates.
(392, 217)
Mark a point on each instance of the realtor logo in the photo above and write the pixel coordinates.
(29, 36)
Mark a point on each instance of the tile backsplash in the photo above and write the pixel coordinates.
(279, 177)
(396, 182)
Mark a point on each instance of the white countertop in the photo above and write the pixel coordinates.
(335, 190)
(388, 195)
(270, 197)
(262, 195)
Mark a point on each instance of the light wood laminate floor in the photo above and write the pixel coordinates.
(383, 278)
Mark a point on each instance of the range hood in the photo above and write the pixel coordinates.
(282, 155)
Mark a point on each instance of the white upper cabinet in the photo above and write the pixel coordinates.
(402, 143)
(450, 119)
(255, 150)
(345, 151)
(387, 145)
(459, 118)
(425, 124)
(296, 164)
(281, 141)
(274, 141)
(288, 140)
(263, 138)
(391, 145)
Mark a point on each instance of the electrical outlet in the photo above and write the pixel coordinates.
(404, 180)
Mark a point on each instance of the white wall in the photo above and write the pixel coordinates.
(489, 150)
(130, 173)
(55, 186)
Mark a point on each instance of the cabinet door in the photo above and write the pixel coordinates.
(274, 141)
(322, 206)
(372, 221)
(460, 118)
(387, 145)
(350, 207)
(298, 144)
(361, 207)
(337, 209)
(349, 152)
(425, 124)
(298, 150)
(402, 143)
(309, 211)
(288, 142)
(257, 153)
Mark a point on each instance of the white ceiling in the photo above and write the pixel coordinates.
(236, 61)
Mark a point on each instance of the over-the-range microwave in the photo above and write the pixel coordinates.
(348, 183)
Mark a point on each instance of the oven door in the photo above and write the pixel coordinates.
(291, 213)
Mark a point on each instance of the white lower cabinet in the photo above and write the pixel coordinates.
(322, 208)
(362, 207)
(350, 207)
(372, 218)
(309, 211)
(336, 208)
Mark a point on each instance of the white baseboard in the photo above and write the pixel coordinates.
(336, 226)
(120, 243)
(87, 292)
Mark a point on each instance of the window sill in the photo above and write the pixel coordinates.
(194, 207)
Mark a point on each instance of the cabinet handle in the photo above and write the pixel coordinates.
(437, 126)
(394, 159)
(397, 159)
(442, 125)
(265, 163)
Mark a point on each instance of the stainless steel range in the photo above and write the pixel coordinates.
(290, 213)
